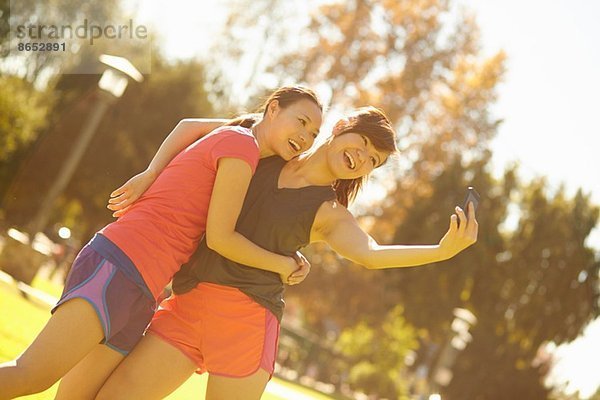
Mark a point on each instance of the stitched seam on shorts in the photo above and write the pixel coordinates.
(262, 354)
(89, 278)
(115, 348)
(105, 301)
(259, 366)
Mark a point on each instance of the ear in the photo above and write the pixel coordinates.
(273, 109)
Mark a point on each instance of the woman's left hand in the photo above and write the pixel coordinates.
(302, 272)
(126, 195)
(459, 236)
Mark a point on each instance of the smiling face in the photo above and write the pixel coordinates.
(294, 128)
(352, 155)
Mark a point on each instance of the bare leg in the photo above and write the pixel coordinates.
(71, 333)
(87, 377)
(153, 370)
(248, 388)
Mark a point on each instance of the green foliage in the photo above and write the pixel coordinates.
(4, 24)
(529, 279)
(28, 99)
(22, 112)
(356, 341)
(377, 354)
(127, 138)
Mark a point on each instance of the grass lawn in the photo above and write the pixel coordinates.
(21, 320)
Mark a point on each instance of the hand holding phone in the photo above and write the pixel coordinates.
(471, 197)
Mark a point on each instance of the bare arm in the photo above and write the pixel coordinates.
(338, 228)
(185, 133)
(229, 190)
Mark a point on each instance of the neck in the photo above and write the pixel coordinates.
(313, 168)
(259, 131)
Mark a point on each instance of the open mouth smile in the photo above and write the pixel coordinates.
(349, 160)
(294, 145)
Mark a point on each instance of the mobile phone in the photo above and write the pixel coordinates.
(471, 197)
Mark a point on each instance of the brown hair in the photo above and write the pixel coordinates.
(285, 96)
(375, 125)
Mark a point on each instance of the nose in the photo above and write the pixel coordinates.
(361, 155)
(306, 140)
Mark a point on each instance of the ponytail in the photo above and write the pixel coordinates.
(245, 120)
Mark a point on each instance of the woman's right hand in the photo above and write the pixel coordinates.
(460, 235)
(127, 194)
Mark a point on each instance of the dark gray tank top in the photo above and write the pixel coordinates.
(278, 220)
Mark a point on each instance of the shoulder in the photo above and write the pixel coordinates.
(331, 213)
(233, 133)
(234, 138)
(234, 142)
(333, 209)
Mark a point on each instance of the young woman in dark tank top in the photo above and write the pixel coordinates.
(288, 206)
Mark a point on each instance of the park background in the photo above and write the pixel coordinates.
(498, 95)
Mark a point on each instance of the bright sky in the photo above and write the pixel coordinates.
(549, 101)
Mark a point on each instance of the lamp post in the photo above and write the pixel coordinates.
(111, 86)
(442, 373)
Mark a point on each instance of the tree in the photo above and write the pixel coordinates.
(377, 354)
(27, 79)
(127, 138)
(548, 292)
(522, 284)
(23, 110)
(255, 34)
(596, 395)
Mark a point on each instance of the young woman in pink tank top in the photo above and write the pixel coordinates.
(115, 281)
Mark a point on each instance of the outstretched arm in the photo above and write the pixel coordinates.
(185, 133)
(338, 228)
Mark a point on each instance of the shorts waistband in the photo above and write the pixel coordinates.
(110, 251)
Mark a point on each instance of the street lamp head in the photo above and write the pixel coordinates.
(114, 80)
(122, 65)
